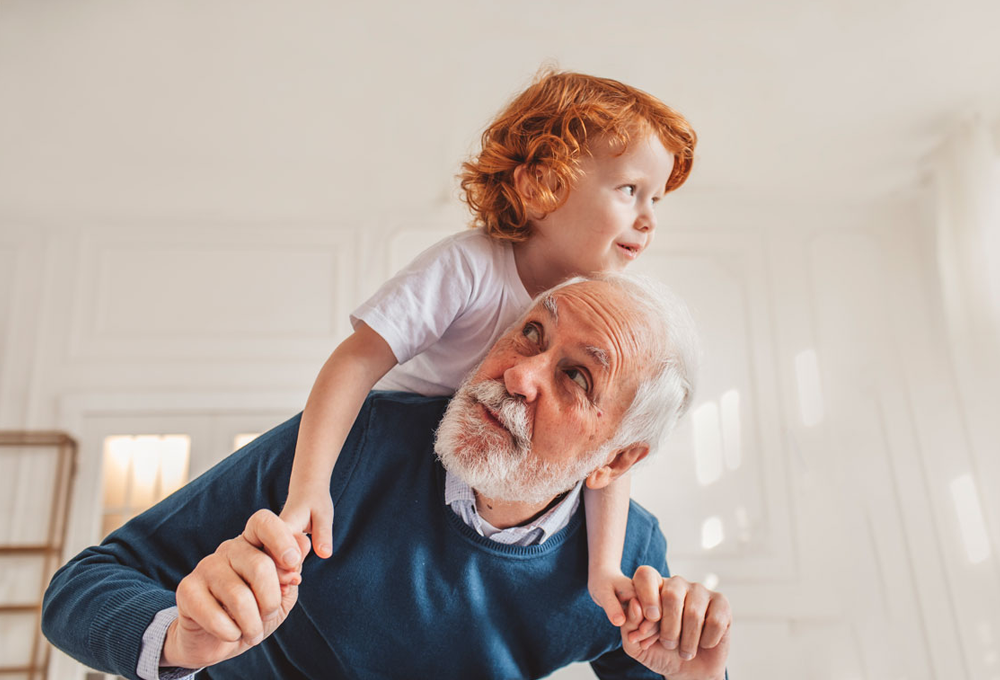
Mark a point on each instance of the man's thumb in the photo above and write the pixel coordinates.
(304, 545)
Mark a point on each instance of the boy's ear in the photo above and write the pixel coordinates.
(620, 463)
(527, 187)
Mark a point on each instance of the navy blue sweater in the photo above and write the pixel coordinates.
(410, 591)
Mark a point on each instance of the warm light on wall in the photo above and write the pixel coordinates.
(810, 392)
(729, 406)
(970, 519)
(140, 471)
(243, 439)
(712, 533)
(707, 443)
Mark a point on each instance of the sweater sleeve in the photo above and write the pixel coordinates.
(100, 603)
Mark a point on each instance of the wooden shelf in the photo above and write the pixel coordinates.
(51, 539)
(19, 608)
(29, 549)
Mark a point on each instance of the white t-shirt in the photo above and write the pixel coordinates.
(444, 310)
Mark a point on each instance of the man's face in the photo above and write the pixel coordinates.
(531, 420)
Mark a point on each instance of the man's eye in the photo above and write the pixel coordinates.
(629, 189)
(531, 332)
(579, 377)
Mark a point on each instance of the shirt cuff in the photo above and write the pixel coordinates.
(151, 649)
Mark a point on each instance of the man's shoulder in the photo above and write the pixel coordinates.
(644, 541)
(404, 403)
(399, 414)
(642, 520)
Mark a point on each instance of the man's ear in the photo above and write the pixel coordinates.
(620, 463)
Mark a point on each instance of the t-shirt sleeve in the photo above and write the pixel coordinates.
(413, 309)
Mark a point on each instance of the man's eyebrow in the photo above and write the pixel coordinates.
(550, 305)
(599, 355)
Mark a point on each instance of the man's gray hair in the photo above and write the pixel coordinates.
(666, 387)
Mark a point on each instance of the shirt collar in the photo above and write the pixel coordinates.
(462, 500)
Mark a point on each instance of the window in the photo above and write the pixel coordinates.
(140, 471)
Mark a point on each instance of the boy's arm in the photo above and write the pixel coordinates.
(607, 517)
(337, 395)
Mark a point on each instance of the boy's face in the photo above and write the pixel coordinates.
(607, 219)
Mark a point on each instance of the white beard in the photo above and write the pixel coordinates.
(499, 464)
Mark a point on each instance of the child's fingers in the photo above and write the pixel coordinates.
(645, 632)
(322, 531)
(648, 629)
(295, 517)
(287, 579)
(624, 590)
(633, 618)
(608, 601)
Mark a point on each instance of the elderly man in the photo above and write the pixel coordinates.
(471, 564)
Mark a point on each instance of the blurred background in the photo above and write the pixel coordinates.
(194, 195)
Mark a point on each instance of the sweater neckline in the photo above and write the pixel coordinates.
(508, 550)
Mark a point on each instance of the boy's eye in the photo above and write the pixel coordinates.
(532, 332)
(579, 377)
(629, 189)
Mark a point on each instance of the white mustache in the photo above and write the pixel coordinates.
(510, 411)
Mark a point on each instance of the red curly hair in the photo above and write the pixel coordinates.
(546, 129)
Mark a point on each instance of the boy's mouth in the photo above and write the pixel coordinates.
(630, 251)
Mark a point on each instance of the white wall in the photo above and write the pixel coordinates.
(191, 200)
(841, 556)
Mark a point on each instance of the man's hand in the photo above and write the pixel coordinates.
(694, 623)
(238, 595)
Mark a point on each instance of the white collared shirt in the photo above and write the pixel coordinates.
(462, 500)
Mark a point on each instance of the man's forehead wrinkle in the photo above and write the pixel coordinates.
(613, 313)
(614, 317)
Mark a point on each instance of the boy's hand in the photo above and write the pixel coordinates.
(312, 514)
(610, 589)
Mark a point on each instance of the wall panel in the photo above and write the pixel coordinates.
(210, 296)
(8, 281)
(736, 482)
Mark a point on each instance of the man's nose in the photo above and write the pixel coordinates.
(524, 378)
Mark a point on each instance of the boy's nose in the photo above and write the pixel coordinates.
(646, 220)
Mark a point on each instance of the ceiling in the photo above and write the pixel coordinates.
(344, 102)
